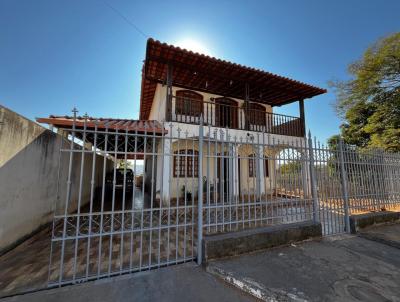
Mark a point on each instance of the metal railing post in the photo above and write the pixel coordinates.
(200, 195)
(343, 180)
(313, 180)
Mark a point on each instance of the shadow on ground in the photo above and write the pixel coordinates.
(186, 282)
(340, 268)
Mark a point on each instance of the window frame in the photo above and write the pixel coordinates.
(252, 165)
(188, 163)
(184, 103)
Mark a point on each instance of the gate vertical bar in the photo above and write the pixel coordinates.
(313, 180)
(343, 179)
(200, 197)
(67, 199)
(92, 192)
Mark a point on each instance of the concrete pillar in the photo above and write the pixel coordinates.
(235, 170)
(260, 171)
(166, 157)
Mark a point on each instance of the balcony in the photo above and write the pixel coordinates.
(227, 113)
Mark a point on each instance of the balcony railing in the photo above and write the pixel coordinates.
(225, 113)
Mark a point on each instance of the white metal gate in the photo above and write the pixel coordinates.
(112, 216)
(129, 200)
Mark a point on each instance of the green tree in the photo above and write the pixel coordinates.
(122, 164)
(291, 167)
(369, 102)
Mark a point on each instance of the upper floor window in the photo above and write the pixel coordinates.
(226, 113)
(188, 103)
(256, 114)
(186, 163)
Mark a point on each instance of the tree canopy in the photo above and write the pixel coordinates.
(291, 167)
(369, 102)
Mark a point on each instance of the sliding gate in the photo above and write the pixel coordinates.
(112, 214)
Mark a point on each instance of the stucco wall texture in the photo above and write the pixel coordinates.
(29, 174)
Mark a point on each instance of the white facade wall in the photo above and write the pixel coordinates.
(172, 186)
(159, 104)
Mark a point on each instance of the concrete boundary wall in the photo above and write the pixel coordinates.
(358, 222)
(29, 162)
(246, 241)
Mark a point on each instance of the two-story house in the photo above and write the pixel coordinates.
(180, 86)
(207, 131)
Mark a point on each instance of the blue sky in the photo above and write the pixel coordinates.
(55, 55)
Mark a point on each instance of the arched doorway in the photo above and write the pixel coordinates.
(290, 172)
(226, 113)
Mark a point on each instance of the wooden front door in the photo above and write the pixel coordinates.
(226, 113)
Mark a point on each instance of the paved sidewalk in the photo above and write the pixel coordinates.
(186, 282)
(341, 268)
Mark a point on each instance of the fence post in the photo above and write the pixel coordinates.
(200, 195)
(343, 179)
(313, 181)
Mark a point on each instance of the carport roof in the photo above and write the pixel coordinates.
(149, 126)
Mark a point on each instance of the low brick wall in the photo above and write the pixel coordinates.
(361, 221)
(236, 243)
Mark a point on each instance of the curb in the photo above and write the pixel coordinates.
(252, 287)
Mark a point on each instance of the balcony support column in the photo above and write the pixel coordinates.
(246, 107)
(168, 111)
(302, 118)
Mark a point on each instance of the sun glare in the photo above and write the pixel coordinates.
(193, 45)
